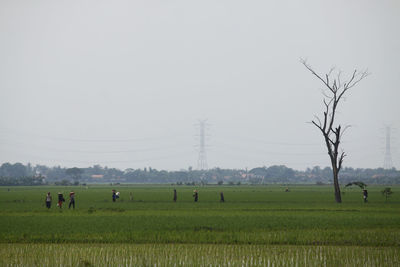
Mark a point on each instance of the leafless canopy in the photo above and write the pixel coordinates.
(336, 88)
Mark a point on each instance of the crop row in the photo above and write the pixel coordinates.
(193, 255)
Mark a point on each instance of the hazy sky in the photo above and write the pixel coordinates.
(123, 83)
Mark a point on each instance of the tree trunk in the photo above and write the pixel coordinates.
(338, 196)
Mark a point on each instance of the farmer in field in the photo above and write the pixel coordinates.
(71, 200)
(365, 195)
(60, 199)
(222, 197)
(196, 195)
(175, 195)
(48, 200)
(114, 195)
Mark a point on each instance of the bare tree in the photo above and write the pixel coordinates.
(335, 89)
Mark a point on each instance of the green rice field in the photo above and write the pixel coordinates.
(255, 226)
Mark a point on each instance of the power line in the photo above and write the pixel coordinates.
(53, 149)
(262, 141)
(176, 155)
(225, 146)
(81, 140)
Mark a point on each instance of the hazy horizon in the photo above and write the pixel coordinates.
(124, 83)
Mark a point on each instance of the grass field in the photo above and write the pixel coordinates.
(262, 222)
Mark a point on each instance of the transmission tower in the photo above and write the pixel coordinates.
(202, 160)
(387, 163)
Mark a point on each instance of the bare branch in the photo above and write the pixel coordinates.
(326, 95)
(314, 73)
(331, 70)
(319, 127)
(331, 141)
(342, 156)
(319, 121)
(344, 130)
(338, 78)
(352, 78)
(325, 118)
(326, 104)
(356, 78)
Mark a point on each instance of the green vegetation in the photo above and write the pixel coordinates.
(387, 192)
(255, 215)
(257, 219)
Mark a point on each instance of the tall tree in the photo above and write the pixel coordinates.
(335, 89)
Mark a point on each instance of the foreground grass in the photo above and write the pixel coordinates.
(193, 255)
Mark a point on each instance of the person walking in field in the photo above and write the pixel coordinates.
(222, 197)
(114, 195)
(71, 200)
(196, 195)
(48, 200)
(175, 195)
(365, 195)
(60, 199)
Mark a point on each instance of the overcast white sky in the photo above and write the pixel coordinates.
(123, 83)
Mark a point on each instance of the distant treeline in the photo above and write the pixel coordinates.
(12, 181)
(20, 174)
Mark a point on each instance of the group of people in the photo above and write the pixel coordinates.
(61, 200)
(196, 196)
(115, 196)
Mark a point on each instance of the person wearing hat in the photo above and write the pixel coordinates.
(175, 195)
(60, 199)
(196, 195)
(365, 195)
(48, 200)
(71, 200)
(114, 195)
